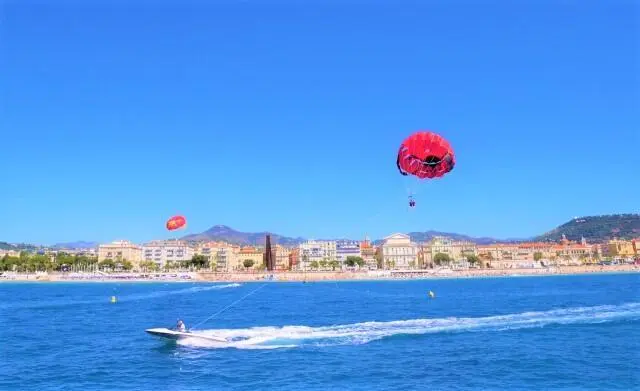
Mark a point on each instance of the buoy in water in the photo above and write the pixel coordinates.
(431, 294)
(113, 299)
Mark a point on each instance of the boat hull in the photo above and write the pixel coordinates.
(177, 335)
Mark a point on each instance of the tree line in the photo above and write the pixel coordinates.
(28, 262)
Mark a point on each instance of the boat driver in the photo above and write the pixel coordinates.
(180, 326)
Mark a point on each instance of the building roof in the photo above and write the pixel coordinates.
(249, 250)
(397, 235)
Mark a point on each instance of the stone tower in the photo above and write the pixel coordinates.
(268, 255)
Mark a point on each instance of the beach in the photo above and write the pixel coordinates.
(292, 276)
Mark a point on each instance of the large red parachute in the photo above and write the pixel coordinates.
(425, 155)
(176, 222)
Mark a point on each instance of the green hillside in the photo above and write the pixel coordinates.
(6, 246)
(16, 247)
(597, 228)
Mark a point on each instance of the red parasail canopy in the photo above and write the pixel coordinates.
(176, 222)
(425, 155)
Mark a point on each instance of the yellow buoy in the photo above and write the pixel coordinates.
(113, 299)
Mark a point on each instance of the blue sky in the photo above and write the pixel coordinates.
(287, 118)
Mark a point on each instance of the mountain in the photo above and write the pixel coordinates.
(228, 234)
(76, 245)
(596, 228)
(17, 247)
(593, 228)
(7, 246)
(428, 235)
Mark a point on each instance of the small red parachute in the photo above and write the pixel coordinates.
(425, 155)
(176, 222)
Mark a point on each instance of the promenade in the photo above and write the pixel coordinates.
(314, 275)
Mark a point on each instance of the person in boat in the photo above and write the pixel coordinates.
(180, 326)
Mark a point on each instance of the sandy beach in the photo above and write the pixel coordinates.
(414, 274)
(285, 276)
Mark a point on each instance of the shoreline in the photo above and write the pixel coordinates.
(320, 276)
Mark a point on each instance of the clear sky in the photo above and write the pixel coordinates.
(288, 117)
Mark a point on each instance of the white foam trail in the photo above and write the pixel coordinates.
(360, 333)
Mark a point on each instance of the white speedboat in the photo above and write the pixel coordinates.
(166, 333)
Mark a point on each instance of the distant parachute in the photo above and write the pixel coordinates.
(176, 222)
(425, 155)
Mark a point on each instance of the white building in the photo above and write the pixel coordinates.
(316, 250)
(119, 251)
(163, 251)
(347, 248)
(399, 252)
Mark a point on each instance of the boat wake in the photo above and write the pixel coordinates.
(362, 333)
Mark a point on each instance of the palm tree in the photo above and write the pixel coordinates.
(323, 264)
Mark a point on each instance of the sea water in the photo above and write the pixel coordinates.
(554, 332)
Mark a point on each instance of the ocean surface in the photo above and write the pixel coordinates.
(555, 332)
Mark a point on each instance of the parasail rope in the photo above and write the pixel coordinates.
(230, 305)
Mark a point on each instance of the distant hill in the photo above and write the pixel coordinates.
(76, 245)
(230, 235)
(6, 246)
(596, 229)
(17, 247)
(226, 234)
(428, 235)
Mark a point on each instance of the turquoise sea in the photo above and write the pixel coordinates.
(538, 333)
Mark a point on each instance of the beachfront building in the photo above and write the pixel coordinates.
(314, 252)
(175, 253)
(399, 252)
(536, 254)
(119, 251)
(208, 250)
(458, 251)
(249, 253)
(220, 255)
(281, 257)
(530, 251)
(368, 253)
(225, 257)
(570, 253)
(620, 248)
(294, 259)
(502, 255)
(347, 248)
(521, 255)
